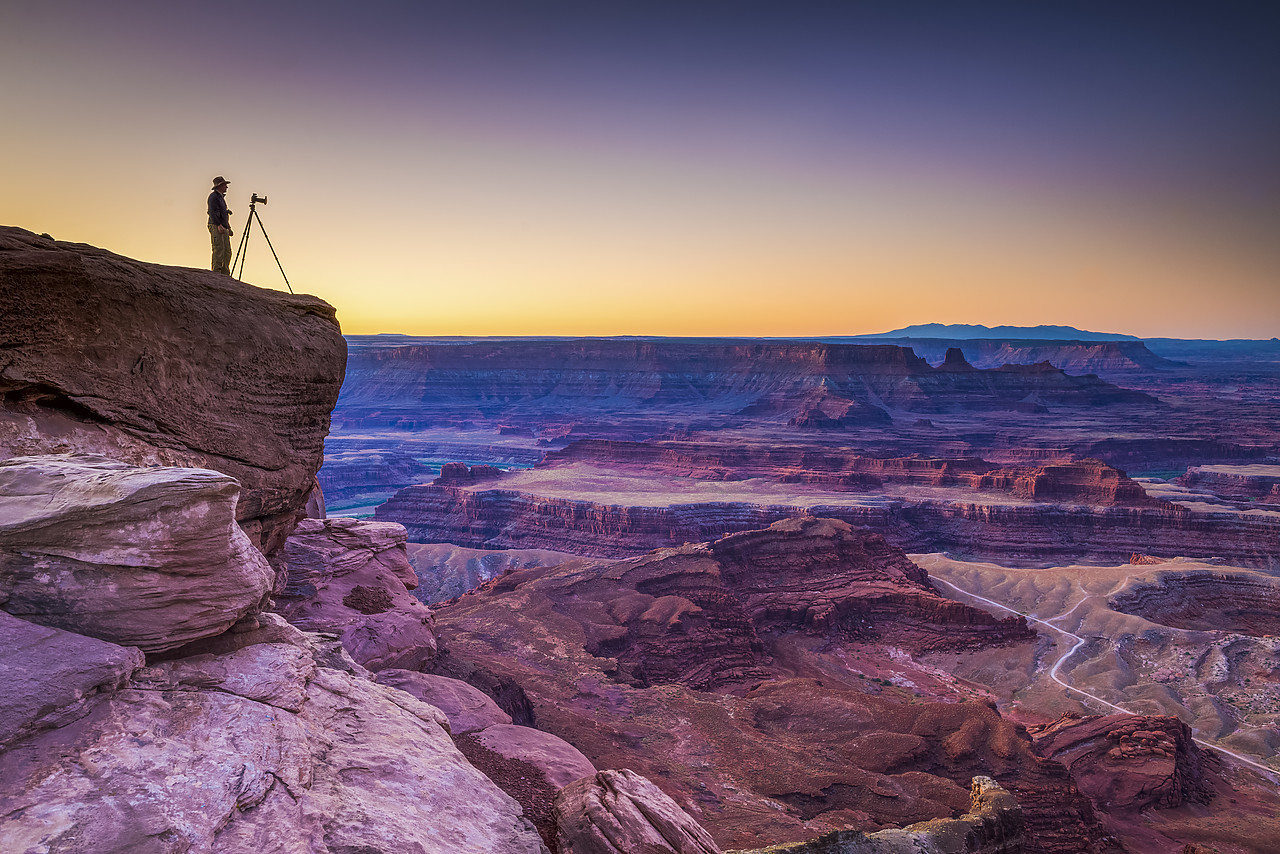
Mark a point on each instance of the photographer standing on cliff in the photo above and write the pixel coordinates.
(220, 226)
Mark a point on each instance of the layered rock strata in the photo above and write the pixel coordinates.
(1128, 762)
(1257, 485)
(351, 475)
(157, 365)
(522, 382)
(1204, 600)
(1104, 358)
(1085, 481)
(149, 558)
(497, 518)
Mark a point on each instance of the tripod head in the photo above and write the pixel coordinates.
(255, 198)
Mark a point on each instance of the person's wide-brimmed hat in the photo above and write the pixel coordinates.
(220, 180)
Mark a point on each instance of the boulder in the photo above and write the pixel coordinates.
(560, 761)
(468, 708)
(352, 579)
(263, 751)
(1131, 763)
(156, 365)
(145, 557)
(614, 812)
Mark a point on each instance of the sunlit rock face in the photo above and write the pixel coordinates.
(144, 557)
(156, 365)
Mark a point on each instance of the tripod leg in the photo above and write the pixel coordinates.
(248, 229)
(274, 255)
(243, 243)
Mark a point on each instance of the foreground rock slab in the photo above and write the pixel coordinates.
(260, 751)
(49, 677)
(468, 709)
(143, 557)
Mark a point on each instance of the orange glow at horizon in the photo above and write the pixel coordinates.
(446, 214)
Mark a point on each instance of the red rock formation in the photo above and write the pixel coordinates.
(503, 518)
(455, 474)
(1204, 600)
(1128, 763)
(353, 578)
(617, 811)
(1084, 481)
(1256, 485)
(156, 365)
(824, 576)
(143, 557)
(616, 659)
(519, 382)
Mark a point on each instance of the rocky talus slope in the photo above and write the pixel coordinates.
(155, 365)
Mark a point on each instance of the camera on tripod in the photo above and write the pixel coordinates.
(242, 252)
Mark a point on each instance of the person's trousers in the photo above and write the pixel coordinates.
(221, 250)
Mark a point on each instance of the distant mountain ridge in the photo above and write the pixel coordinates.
(973, 330)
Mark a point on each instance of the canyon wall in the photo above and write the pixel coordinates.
(1043, 532)
(1075, 357)
(536, 382)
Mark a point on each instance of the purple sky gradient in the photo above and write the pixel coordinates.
(1094, 164)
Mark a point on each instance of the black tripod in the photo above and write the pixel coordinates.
(242, 252)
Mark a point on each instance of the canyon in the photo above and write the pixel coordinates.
(620, 450)
(584, 596)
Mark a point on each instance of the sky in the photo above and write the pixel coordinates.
(744, 168)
